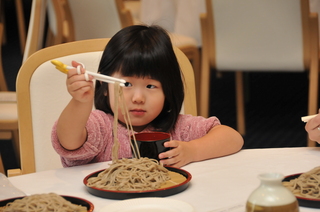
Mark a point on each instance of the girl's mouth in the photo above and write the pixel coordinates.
(137, 112)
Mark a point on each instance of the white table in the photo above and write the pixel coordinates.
(216, 183)
(177, 16)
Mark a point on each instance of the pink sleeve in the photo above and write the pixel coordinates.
(190, 127)
(99, 129)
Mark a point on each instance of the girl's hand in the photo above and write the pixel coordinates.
(80, 89)
(313, 128)
(181, 154)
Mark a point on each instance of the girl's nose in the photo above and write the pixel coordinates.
(138, 97)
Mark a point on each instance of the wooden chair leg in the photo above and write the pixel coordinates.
(1, 166)
(16, 145)
(21, 24)
(195, 59)
(3, 21)
(203, 108)
(314, 72)
(240, 103)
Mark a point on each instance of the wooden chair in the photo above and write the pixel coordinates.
(8, 111)
(134, 6)
(67, 21)
(42, 96)
(269, 35)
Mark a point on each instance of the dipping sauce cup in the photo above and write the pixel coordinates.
(150, 144)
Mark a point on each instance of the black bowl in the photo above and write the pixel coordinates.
(150, 144)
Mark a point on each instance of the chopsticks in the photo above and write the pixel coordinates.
(104, 78)
(307, 118)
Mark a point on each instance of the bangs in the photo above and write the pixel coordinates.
(144, 64)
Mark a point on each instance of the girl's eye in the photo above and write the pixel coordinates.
(151, 86)
(127, 84)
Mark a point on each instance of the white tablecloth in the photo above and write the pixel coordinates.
(217, 183)
(178, 16)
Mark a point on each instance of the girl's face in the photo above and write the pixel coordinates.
(144, 99)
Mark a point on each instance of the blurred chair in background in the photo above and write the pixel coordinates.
(272, 35)
(59, 23)
(20, 21)
(102, 19)
(35, 36)
(41, 92)
(315, 8)
(8, 111)
(72, 20)
(135, 9)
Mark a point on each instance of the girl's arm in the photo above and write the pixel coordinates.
(220, 141)
(71, 124)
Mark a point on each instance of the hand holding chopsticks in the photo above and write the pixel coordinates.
(104, 78)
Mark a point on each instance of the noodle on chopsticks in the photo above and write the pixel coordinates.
(306, 185)
(42, 202)
(136, 174)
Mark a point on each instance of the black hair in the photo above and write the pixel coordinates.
(144, 51)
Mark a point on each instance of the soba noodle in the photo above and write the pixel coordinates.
(131, 175)
(42, 202)
(136, 174)
(306, 185)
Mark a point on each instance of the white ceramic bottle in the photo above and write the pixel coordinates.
(272, 196)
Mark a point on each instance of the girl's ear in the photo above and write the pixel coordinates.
(105, 93)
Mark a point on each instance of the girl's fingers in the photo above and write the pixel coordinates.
(75, 64)
(172, 144)
(74, 76)
(76, 71)
(78, 85)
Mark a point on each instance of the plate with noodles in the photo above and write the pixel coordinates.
(52, 200)
(177, 181)
(305, 186)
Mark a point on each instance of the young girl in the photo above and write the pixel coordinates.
(143, 56)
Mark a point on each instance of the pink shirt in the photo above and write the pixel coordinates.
(98, 147)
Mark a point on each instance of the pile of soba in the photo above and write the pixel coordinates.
(136, 174)
(131, 175)
(306, 185)
(42, 202)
